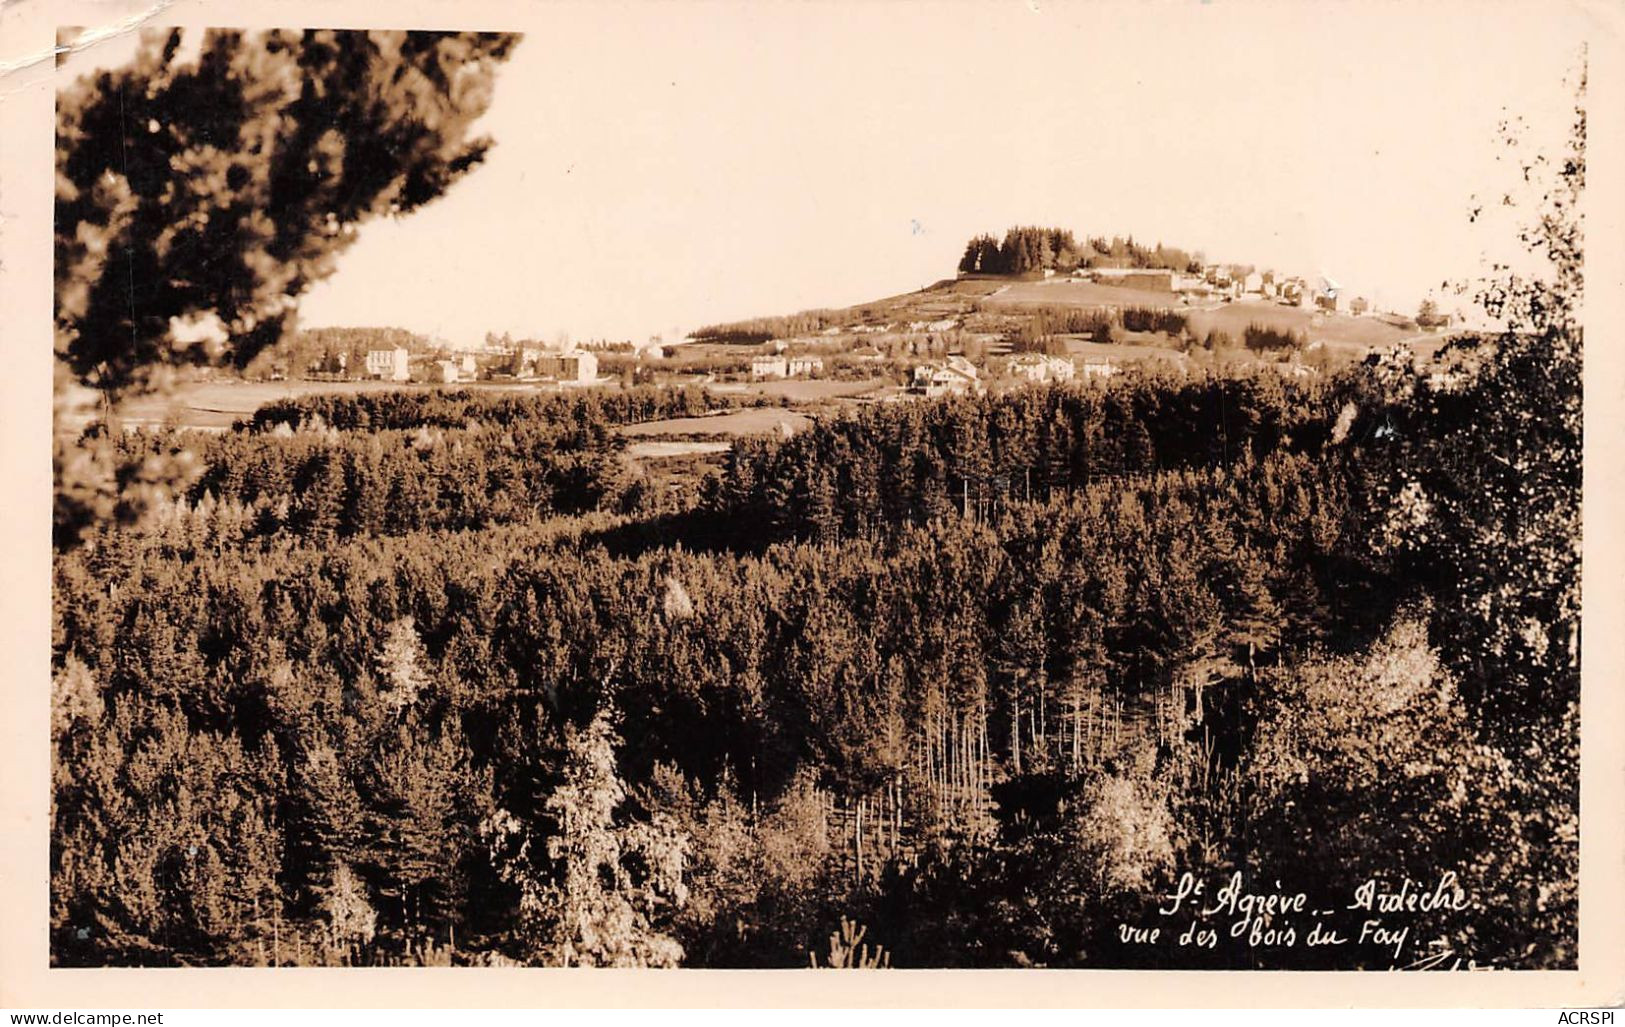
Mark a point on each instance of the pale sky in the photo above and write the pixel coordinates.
(658, 167)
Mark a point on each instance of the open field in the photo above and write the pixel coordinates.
(219, 404)
(753, 421)
(1233, 318)
(1121, 353)
(1079, 294)
(800, 390)
(661, 449)
(707, 436)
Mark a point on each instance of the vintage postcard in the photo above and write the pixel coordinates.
(730, 503)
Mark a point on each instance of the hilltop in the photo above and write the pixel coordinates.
(1088, 314)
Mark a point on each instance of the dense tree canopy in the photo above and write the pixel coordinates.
(1030, 248)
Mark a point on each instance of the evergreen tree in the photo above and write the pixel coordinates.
(608, 883)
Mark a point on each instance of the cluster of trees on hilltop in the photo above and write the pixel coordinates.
(1024, 249)
(1030, 248)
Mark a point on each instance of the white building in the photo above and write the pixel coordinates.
(954, 376)
(1329, 294)
(769, 367)
(445, 371)
(1041, 368)
(1294, 292)
(804, 367)
(522, 362)
(390, 365)
(575, 366)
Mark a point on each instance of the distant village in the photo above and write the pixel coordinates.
(563, 365)
(979, 351)
(1223, 283)
(980, 331)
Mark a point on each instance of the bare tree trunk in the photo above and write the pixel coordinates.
(962, 764)
(970, 761)
(888, 840)
(925, 756)
(1077, 717)
(897, 811)
(941, 784)
(957, 740)
(1015, 733)
(987, 753)
(858, 829)
(1094, 702)
(877, 817)
(1043, 718)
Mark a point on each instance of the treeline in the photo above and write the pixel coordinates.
(323, 467)
(323, 348)
(1120, 252)
(1153, 319)
(339, 339)
(1261, 338)
(1029, 248)
(319, 486)
(910, 463)
(1024, 249)
(1041, 330)
(404, 410)
(758, 330)
(1106, 324)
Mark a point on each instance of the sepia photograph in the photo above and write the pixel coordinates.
(834, 486)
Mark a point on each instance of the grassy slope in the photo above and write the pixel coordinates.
(1014, 297)
(1079, 294)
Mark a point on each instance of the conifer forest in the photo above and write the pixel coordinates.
(443, 677)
